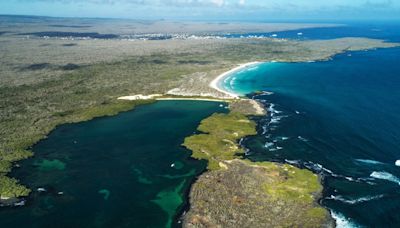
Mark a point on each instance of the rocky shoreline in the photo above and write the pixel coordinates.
(240, 196)
(240, 193)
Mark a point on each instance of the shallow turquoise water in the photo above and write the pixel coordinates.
(113, 171)
(339, 118)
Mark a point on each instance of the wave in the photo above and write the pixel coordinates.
(293, 162)
(272, 109)
(368, 161)
(318, 168)
(269, 144)
(355, 201)
(385, 176)
(252, 68)
(263, 93)
(275, 120)
(302, 139)
(397, 163)
(342, 221)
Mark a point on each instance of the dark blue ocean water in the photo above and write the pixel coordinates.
(341, 119)
(378, 30)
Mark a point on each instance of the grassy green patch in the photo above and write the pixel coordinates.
(219, 141)
(290, 183)
(10, 188)
(317, 213)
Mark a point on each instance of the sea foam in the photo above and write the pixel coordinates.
(397, 163)
(342, 221)
(302, 138)
(293, 162)
(355, 201)
(385, 176)
(368, 161)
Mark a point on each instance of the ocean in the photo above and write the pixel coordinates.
(387, 30)
(338, 118)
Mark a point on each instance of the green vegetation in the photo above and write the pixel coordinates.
(253, 193)
(219, 143)
(10, 188)
(242, 191)
(45, 83)
(289, 182)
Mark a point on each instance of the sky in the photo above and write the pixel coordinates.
(238, 10)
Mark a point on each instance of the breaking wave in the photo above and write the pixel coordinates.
(368, 161)
(355, 201)
(342, 221)
(318, 168)
(302, 138)
(293, 162)
(385, 176)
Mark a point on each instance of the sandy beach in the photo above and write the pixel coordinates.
(215, 82)
(223, 95)
(192, 99)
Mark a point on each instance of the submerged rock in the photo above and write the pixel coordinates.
(10, 201)
(20, 203)
(50, 165)
(105, 192)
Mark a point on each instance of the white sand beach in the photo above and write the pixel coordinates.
(215, 82)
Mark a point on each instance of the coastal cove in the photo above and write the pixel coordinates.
(124, 170)
(318, 122)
